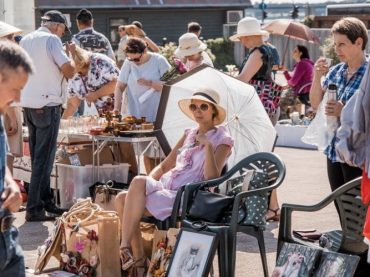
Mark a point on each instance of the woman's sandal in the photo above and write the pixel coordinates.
(127, 259)
(275, 216)
(140, 268)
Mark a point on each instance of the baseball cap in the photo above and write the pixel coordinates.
(57, 17)
(84, 15)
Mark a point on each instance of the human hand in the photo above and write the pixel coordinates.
(202, 140)
(12, 126)
(91, 97)
(321, 66)
(144, 82)
(12, 197)
(333, 108)
(71, 47)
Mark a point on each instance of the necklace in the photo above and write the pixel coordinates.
(351, 72)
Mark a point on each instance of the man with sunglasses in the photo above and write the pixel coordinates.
(41, 99)
(15, 67)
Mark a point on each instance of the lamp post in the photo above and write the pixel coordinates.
(263, 7)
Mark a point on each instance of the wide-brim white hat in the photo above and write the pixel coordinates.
(7, 29)
(189, 44)
(248, 26)
(208, 95)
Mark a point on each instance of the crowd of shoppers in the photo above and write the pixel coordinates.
(133, 82)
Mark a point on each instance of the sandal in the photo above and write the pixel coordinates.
(275, 216)
(140, 268)
(127, 260)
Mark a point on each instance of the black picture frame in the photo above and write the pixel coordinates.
(194, 250)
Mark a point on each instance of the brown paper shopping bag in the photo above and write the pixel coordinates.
(91, 241)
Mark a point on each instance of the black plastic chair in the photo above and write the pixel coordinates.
(352, 213)
(275, 168)
(175, 217)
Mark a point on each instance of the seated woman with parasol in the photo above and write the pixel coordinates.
(200, 154)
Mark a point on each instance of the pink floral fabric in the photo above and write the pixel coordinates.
(160, 195)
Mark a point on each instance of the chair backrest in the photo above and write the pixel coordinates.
(269, 163)
(352, 213)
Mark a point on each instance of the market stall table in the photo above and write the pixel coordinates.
(290, 136)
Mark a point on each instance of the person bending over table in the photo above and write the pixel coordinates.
(200, 154)
(96, 77)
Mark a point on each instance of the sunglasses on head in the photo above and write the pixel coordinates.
(135, 59)
(203, 107)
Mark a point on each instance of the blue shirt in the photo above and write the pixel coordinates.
(345, 90)
(3, 149)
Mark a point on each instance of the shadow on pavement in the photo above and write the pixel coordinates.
(246, 243)
(32, 235)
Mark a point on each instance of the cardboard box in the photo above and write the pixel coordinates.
(85, 156)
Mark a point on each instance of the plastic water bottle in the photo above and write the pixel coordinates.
(332, 121)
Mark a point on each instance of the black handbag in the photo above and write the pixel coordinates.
(210, 206)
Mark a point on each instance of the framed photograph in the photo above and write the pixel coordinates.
(334, 264)
(296, 260)
(193, 254)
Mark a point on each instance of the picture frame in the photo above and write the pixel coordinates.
(336, 264)
(296, 260)
(193, 253)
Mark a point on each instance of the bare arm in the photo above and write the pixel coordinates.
(151, 44)
(317, 92)
(251, 67)
(157, 85)
(118, 91)
(11, 196)
(12, 127)
(72, 105)
(169, 162)
(214, 160)
(68, 69)
(106, 90)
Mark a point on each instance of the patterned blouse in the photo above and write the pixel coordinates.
(102, 70)
(345, 90)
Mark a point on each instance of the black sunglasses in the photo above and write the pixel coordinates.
(203, 107)
(136, 60)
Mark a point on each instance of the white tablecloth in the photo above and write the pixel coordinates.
(290, 136)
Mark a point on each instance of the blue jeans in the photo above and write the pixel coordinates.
(11, 257)
(43, 126)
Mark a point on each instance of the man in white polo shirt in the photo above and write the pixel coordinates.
(42, 98)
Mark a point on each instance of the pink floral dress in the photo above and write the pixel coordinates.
(189, 168)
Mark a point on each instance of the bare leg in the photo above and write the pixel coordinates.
(133, 210)
(273, 207)
(136, 241)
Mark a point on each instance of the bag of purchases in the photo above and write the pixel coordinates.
(163, 244)
(105, 194)
(91, 241)
(269, 92)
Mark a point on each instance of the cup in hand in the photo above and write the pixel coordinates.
(328, 62)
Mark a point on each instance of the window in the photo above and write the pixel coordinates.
(114, 23)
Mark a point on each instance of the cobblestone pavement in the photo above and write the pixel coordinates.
(305, 183)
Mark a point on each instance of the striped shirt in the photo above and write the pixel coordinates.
(345, 89)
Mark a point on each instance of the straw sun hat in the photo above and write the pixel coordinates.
(208, 95)
(189, 44)
(6, 29)
(248, 26)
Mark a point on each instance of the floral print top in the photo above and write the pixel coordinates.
(102, 71)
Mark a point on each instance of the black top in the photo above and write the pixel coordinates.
(264, 73)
